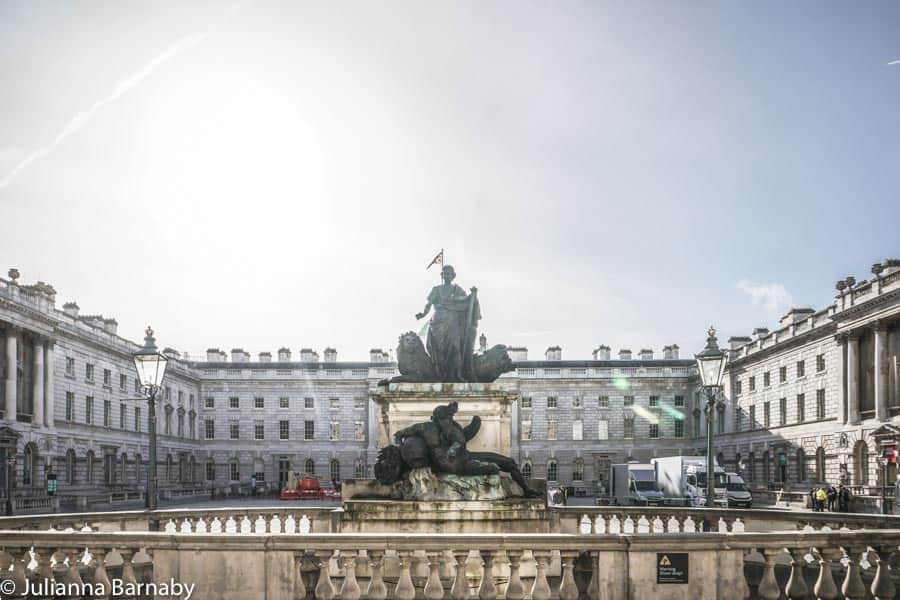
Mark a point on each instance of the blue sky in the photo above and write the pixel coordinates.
(277, 173)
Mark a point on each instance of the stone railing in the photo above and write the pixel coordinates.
(406, 566)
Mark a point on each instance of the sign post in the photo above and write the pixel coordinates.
(672, 567)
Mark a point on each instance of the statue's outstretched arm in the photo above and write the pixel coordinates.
(424, 312)
(471, 430)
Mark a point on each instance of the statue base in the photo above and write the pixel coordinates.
(424, 486)
(403, 404)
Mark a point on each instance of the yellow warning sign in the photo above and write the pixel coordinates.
(665, 562)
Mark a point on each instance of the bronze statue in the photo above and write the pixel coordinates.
(441, 444)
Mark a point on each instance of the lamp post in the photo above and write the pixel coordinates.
(10, 475)
(711, 364)
(884, 465)
(151, 367)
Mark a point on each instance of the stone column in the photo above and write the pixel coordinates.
(881, 373)
(12, 373)
(49, 389)
(37, 383)
(853, 380)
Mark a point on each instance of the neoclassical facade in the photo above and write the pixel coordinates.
(815, 399)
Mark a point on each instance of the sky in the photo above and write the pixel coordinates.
(264, 174)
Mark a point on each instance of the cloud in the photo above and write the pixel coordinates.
(774, 297)
(894, 62)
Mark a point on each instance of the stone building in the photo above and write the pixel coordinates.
(815, 399)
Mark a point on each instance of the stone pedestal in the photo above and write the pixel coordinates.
(403, 404)
(499, 516)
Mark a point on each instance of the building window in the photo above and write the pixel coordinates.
(782, 374)
(654, 430)
(820, 363)
(107, 377)
(180, 422)
(551, 401)
(210, 429)
(334, 404)
(526, 401)
(552, 471)
(738, 419)
(107, 413)
(526, 470)
(309, 403)
(123, 382)
(89, 371)
(576, 402)
(191, 401)
(259, 402)
(137, 386)
(361, 469)
(603, 429)
(169, 420)
(629, 428)
(210, 470)
(720, 421)
(310, 466)
(70, 366)
(359, 403)
(284, 402)
(334, 469)
(654, 400)
(123, 415)
(359, 431)
(679, 400)
(752, 418)
(767, 379)
(697, 431)
(628, 401)
(737, 387)
(552, 429)
(679, 428)
(259, 430)
(88, 409)
(752, 383)
(137, 418)
(801, 368)
(334, 431)
(309, 430)
(578, 470)
(70, 406)
(210, 402)
(168, 394)
(284, 430)
(767, 414)
(801, 408)
(235, 470)
(820, 404)
(526, 430)
(577, 429)
(234, 429)
(70, 466)
(782, 411)
(603, 402)
(234, 402)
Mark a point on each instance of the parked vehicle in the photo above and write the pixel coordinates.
(738, 493)
(308, 488)
(634, 484)
(682, 480)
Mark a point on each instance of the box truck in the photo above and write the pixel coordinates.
(633, 484)
(738, 493)
(682, 480)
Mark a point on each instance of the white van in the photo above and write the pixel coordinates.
(738, 494)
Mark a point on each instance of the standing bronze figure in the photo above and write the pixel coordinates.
(451, 333)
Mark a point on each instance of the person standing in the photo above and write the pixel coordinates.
(821, 497)
(832, 498)
(812, 499)
(843, 498)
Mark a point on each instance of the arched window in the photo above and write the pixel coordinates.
(361, 469)
(210, 470)
(28, 465)
(310, 467)
(820, 464)
(552, 471)
(801, 465)
(70, 466)
(578, 471)
(526, 470)
(89, 467)
(861, 463)
(334, 469)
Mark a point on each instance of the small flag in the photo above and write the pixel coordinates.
(437, 260)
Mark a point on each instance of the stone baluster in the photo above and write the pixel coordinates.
(405, 589)
(460, 588)
(658, 525)
(853, 587)
(245, 524)
(643, 525)
(672, 525)
(73, 573)
(230, 525)
(615, 525)
(101, 578)
(20, 559)
(487, 590)
(128, 577)
(202, 526)
(350, 590)
(541, 588)
(299, 585)
(593, 590)
(600, 524)
(825, 588)
(882, 586)
(689, 525)
(216, 526)
(43, 572)
(514, 589)
(567, 588)
(434, 590)
(377, 590)
(186, 526)
(768, 586)
(584, 526)
(628, 525)
(259, 526)
(796, 586)
(324, 587)
(275, 524)
(290, 525)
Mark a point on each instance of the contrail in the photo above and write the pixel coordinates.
(122, 87)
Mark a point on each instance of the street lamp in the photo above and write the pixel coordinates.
(711, 364)
(151, 367)
(884, 466)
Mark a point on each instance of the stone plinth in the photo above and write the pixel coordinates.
(422, 484)
(403, 404)
(498, 516)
